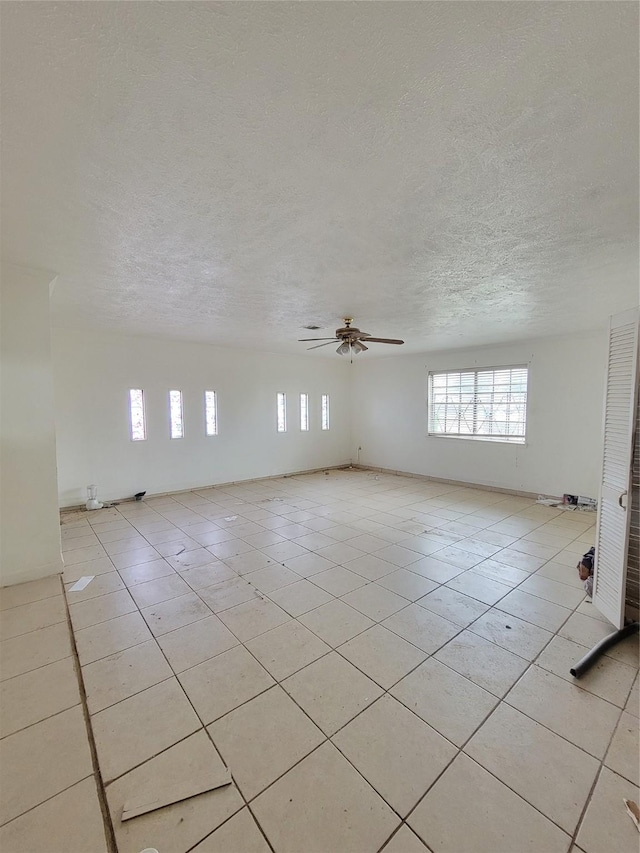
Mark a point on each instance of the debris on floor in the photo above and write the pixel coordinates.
(233, 633)
(80, 584)
(633, 812)
(570, 503)
(580, 501)
(184, 790)
(71, 516)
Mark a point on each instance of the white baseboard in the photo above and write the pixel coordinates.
(460, 483)
(10, 578)
(201, 488)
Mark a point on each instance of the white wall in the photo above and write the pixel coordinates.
(386, 415)
(93, 373)
(564, 446)
(29, 522)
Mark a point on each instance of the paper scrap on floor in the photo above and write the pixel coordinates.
(80, 584)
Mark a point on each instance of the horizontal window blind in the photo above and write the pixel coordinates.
(490, 404)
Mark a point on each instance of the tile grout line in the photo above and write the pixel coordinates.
(203, 727)
(48, 799)
(503, 700)
(409, 602)
(208, 735)
(277, 683)
(174, 676)
(500, 699)
(97, 773)
(597, 777)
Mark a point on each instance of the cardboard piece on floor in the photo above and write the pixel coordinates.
(79, 585)
(175, 794)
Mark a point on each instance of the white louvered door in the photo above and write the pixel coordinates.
(614, 509)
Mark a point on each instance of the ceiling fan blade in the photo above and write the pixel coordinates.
(300, 340)
(332, 341)
(383, 341)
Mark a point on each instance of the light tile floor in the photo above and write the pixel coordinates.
(381, 661)
(48, 793)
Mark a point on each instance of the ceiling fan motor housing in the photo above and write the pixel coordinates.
(351, 339)
(347, 333)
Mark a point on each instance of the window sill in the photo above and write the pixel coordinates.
(520, 442)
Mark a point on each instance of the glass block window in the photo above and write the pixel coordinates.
(211, 412)
(281, 412)
(175, 414)
(137, 422)
(304, 412)
(324, 407)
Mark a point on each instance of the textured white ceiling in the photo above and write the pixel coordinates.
(450, 173)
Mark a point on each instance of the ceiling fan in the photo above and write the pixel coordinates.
(350, 340)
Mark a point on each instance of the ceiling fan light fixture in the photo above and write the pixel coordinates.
(350, 339)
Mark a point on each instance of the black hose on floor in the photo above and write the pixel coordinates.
(591, 657)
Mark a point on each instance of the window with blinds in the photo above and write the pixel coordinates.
(488, 404)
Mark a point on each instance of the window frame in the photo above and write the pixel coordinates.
(305, 425)
(324, 421)
(519, 441)
(144, 415)
(215, 414)
(282, 394)
(169, 393)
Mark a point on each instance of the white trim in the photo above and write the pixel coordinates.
(498, 439)
(524, 366)
(39, 573)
